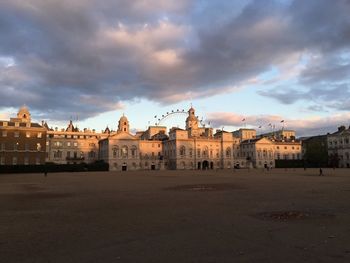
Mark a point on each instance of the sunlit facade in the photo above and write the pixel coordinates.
(194, 147)
(22, 142)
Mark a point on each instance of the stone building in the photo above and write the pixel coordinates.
(339, 148)
(195, 147)
(198, 148)
(73, 146)
(124, 151)
(262, 151)
(22, 142)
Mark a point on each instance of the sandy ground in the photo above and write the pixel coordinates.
(176, 216)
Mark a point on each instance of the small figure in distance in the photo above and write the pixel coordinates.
(321, 172)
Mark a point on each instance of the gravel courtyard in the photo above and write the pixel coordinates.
(176, 216)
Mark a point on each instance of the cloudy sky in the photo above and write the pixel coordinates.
(263, 61)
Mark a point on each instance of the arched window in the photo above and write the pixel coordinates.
(133, 151)
(228, 152)
(115, 151)
(182, 151)
(205, 151)
(124, 151)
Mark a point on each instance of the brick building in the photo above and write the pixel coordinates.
(22, 141)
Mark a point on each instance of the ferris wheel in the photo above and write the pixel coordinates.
(177, 116)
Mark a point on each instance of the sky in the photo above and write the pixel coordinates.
(260, 60)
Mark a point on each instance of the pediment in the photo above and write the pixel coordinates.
(264, 141)
(122, 136)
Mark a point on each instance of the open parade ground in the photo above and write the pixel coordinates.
(176, 216)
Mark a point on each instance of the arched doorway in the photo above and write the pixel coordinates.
(124, 167)
(205, 165)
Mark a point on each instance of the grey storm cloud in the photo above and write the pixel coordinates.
(89, 56)
(322, 97)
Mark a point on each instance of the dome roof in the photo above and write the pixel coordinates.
(191, 118)
(123, 118)
(23, 109)
(24, 114)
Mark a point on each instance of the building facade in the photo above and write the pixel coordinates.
(339, 148)
(73, 146)
(194, 147)
(22, 142)
(125, 151)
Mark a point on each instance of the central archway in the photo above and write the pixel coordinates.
(205, 165)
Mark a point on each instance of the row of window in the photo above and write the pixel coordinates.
(73, 136)
(5, 124)
(74, 155)
(277, 147)
(124, 152)
(69, 144)
(16, 134)
(17, 146)
(341, 141)
(15, 160)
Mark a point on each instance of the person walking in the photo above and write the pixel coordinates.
(321, 172)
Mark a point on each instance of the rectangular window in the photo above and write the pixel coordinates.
(4, 133)
(26, 160)
(68, 154)
(4, 123)
(2, 160)
(27, 134)
(16, 124)
(37, 160)
(16, 134)
(57, 154)
(26, 147)
(39, 135)
(75, 144)
(68, 144)
(14, 160)
(38, 147)
(2, 146)
(15, 146)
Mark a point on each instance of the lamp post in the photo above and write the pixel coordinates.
(222, 148)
